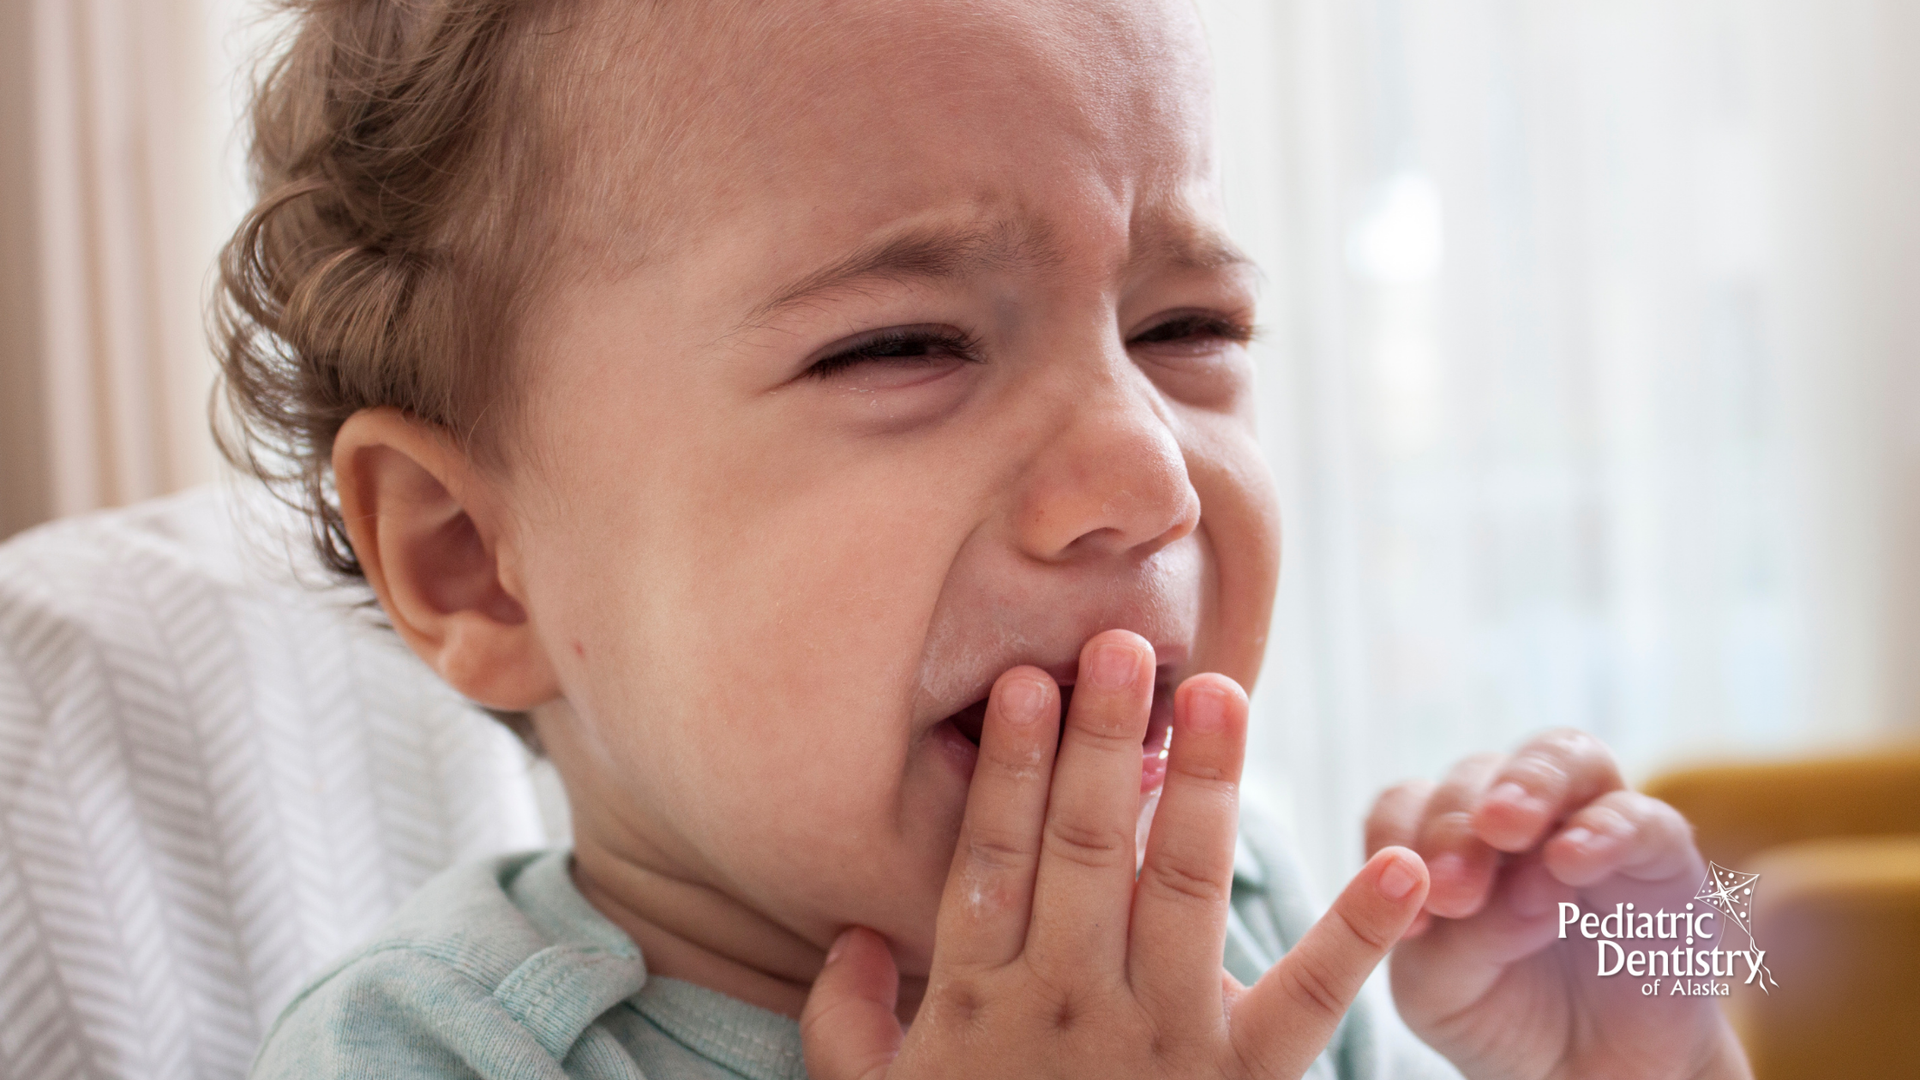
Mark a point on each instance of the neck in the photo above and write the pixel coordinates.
(686, 926)
(691, 932)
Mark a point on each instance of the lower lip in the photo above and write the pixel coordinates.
(1153, 752)
(1153, 770)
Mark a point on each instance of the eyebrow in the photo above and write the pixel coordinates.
(949, 252)
(1188, 246)
(926, 254)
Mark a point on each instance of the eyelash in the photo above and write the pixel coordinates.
(885, 346)
(1195, 325)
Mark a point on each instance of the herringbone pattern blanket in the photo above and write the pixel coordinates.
(214, 778)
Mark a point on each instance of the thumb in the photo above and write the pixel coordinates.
(848, 1029)
(1285, 1020)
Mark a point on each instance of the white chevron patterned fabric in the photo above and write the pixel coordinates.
(214, 778)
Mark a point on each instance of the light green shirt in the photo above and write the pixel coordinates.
(502, 969)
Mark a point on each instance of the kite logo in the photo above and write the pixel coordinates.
(1724, 896)
(1731, 893)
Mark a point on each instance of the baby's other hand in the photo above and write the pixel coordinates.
(1052, 959)
(1484, 976)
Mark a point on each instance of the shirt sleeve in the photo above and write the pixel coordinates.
(1272, 909)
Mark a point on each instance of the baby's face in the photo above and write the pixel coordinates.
(939, 370)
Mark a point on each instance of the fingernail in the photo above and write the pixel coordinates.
(1206, 711)
(1397, 880)
(1579, 836)
(1510, 793)
(1021, 700)
(1114, 667)
(839, 945)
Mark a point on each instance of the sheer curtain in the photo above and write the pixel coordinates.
(117, 185)
(1590, 377)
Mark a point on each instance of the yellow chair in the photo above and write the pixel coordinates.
(1836, 842)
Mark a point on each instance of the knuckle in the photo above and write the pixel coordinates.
(1088, 845)
(993, 850)
(1573, 748)
(1627, 801)
(824, 1018)
(1476, 765)
(1165, 1043)
(1648, 816)
(1537, 773)
(1465, 779)
(1252, 1057)
(1177, 878)
(1667, 817)
(1107, 731)
(1607, 819)
(957, 1002)
(1371, 936)
(1026, 765)
(1051, 997)
(1206, 772)
(1312, 990)
(1406, 793)
(1445, 829)
(1394, 805)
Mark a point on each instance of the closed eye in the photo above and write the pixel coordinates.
(1195, 328)
(911, 346)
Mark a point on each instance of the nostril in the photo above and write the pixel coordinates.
(1113, 481)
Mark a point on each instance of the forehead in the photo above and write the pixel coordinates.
(824, 116)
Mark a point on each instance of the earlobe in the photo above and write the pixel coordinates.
(429, 532)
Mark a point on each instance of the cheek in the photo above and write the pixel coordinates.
(747, 616)
(1240, 523)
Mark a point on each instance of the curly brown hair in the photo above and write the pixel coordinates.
(398, 234)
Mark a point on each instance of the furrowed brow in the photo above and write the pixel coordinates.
(1189, 247)
(929, 254)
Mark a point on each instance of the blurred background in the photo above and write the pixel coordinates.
(1591, 355)
(1592, 374)
(1591, 377)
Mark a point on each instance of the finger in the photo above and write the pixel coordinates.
(1284, 1021)
(1085, 878)
(1548, 778)
(1180, 903)
(1395, 818)
(1462, 865)
(848, 1030)
(989, 894)
(1458, 960)
(1623, 832)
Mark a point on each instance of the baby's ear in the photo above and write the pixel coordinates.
(430, 533)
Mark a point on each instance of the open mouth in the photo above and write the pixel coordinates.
(970, 720)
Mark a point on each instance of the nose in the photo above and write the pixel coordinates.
(1111, 480)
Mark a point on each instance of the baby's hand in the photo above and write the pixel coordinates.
(1051, 959)
(1484, 975)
